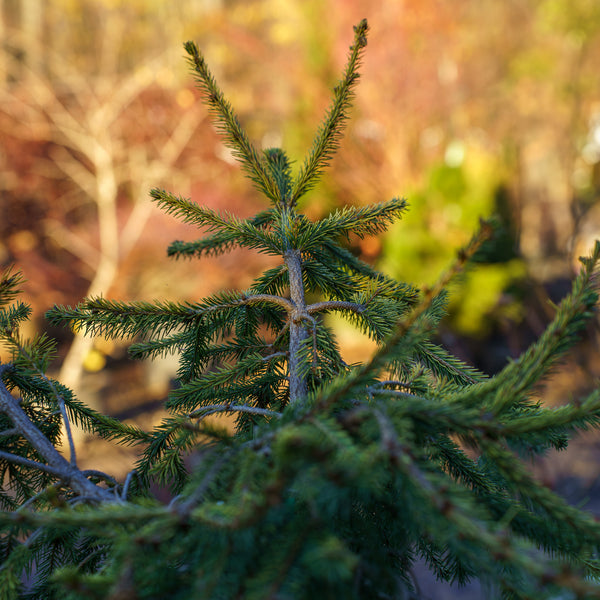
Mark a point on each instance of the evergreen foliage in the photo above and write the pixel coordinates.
(338, 477)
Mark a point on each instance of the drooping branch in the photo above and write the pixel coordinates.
(56, 465)
(61, 404)
(27, 462)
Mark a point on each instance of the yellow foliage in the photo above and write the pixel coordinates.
(94, 361)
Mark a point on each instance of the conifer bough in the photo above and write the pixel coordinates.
(338, 478)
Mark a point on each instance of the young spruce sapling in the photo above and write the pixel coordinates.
(338, 478)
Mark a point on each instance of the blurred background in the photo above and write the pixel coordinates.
(466, 107)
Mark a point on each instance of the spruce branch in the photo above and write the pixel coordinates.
(374, 390)
(580, 414)
(128, 479)
(48, 493)
(280, 168)
(444, 364)
(327, 139)
(248, 378)
(393, 383)
(106, 427)
(184, 506)
(218, 243)
(464, 518)
(100, 475)
(582, 525)
(329, 279)
(509, 386)
(9, 432)
(430, 295)
(233, 230)
(366, 373)
(32, 464)
(9, 286)
(56, 464)
(327, 305)
(57, 396)
(229, 126)
(210, 409)
(361, 220)
(98, 316)
(94, 520)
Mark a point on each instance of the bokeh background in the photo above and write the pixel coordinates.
(466, 107)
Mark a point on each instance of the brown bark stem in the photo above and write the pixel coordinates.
(56, 463)
(298, 327)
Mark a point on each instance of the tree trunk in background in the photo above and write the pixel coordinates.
(32, 26)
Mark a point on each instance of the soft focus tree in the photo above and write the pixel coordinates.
(109, 130)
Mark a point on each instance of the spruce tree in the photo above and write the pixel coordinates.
(338, 477)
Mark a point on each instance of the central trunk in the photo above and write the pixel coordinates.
(298, 325)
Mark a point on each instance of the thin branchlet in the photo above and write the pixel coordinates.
(327, 139)
(229, 125)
